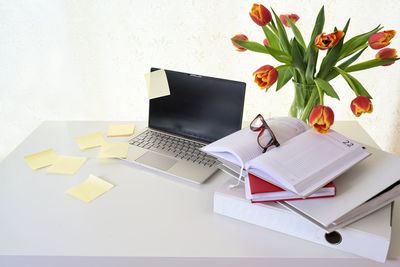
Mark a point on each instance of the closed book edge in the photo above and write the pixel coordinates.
(263, 191)
(369, 237)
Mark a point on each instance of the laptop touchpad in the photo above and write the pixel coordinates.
(156, 161)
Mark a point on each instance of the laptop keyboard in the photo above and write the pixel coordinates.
(173, 146)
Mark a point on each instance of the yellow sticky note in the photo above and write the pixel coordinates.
(157, 84)
(41, 159)
(66, 165)
(90, 189)
(113, 150)
(90, 141)
(121, 130)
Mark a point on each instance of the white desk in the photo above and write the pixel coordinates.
(147, 219)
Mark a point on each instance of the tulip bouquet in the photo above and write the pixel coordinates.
(299, 62)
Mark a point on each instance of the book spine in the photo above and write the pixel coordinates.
(269, 216)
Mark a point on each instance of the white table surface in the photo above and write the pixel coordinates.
(147, 219)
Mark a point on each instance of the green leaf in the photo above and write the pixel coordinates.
(327, 88)
(346, 76)
(370, 64)
(296, 33)
(279, 55)
(318, 26)
(311, 66)
(295, 75)
(349, 61)
(361, 47)
(284, 76)
(273, 40)
(282, 34)
(297, 57)
(252, 46)
(333, 73)
(356, 41)
(346, 27)
(332, 56)
(311, 53)
(361, 90)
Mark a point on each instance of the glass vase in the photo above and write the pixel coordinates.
(306, 97)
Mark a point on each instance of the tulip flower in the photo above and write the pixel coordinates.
(381, 39)
(386, 53)
(265, 42)
(239, 37)
(361, 104)
(260, 15)
(265, 76)
(292, 17)
(321, 118)
(324, 42)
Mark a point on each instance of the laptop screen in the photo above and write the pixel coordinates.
(198, 107)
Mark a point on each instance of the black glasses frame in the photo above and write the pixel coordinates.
(264, 126)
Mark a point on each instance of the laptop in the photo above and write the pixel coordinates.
(198, 111)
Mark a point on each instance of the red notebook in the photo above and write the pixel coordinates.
(259, 190)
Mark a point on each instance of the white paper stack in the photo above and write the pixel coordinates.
(368, 237)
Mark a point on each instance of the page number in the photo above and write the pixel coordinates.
(348, 143)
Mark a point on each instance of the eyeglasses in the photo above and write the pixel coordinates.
(264, 141)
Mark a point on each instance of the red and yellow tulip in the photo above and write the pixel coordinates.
(361, 104)
(265, 76)
(324, 42)
(260, 15)
(292, 17)
(239, 37)
(321, 118)
(386, 53)
(381, 39)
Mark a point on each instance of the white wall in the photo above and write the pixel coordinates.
(85, 60)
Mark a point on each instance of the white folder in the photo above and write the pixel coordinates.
(368, 237)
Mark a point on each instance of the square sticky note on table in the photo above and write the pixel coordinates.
(41, 159)
(157, 84)
(90, 189)
(66, 165)
(90, 141)
(113, 150)
(121, 130)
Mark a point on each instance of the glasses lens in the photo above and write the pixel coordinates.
(257, 123)
(265, 138)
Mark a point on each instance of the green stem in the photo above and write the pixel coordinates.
(309, 105)
(273, 29)
(321, 95)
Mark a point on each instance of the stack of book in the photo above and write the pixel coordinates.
(324, 188)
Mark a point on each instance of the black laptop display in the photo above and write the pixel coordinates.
(199, 107)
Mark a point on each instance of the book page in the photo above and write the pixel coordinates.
(301, 158)
(285, 128)
(237, 148)
(243, 145)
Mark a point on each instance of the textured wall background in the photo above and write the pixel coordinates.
(85, 60)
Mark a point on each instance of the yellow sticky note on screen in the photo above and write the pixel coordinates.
(90, 141)
(41, 159)
(66, 165)
(121, 130)
(157, 84)
(113, 150)
(90, 189)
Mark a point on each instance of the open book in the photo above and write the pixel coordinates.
(305, 161)
(368, 186)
